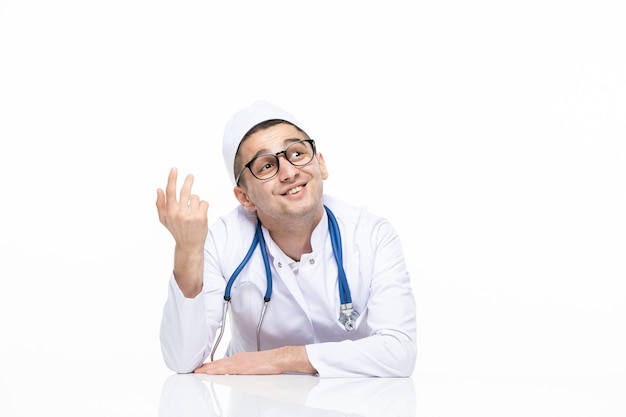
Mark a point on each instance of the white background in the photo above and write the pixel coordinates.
(492, 134)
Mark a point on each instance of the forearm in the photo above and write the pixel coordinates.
(287, 359)
(188, 270)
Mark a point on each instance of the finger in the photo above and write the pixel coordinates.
(170, 190)
(160, 205)
(185, 191)
(203, 206)
(200, 208)
(206, 368)
(194, 200)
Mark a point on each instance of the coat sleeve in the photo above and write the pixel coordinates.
(189, 325)
(187, 329)
(390, 350)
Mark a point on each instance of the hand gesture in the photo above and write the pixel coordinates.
(186, 219)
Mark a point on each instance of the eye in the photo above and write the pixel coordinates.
(263, 165)
(298, 152)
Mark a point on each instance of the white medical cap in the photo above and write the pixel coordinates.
(242, 122)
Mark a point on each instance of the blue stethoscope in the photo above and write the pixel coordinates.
(347, 315)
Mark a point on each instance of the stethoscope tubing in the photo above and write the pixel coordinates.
(347, 314)
(335, 241)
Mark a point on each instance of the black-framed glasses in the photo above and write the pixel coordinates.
(265, 166)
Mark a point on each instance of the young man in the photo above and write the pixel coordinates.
(313, 285)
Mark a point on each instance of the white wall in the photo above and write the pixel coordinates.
(492, 135)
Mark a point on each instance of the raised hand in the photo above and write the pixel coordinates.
(186, 219)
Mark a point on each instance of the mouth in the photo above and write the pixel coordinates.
(294, 190)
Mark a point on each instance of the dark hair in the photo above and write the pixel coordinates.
(256, 128)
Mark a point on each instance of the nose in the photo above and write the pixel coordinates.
(286, 169)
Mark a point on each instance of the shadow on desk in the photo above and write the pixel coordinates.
(286, 395)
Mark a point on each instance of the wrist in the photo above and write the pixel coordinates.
(188, 270)
(295, 359)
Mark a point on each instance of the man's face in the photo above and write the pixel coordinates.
(293, 191)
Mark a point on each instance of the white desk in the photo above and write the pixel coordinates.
(286, 395)
(423, 396)
(112, 388)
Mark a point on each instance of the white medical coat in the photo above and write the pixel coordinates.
(304, 306)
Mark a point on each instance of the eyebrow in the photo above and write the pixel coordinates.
(286, 143)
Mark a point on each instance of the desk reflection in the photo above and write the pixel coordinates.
(286, 395)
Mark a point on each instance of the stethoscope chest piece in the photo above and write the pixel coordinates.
(348, 317)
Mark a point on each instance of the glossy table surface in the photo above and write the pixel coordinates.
(111, 391)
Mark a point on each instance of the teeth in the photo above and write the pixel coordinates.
(294, 190)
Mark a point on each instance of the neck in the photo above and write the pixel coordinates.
(293, 236)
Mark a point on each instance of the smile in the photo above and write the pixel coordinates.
(294, 190)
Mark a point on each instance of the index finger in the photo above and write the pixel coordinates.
(170, 190)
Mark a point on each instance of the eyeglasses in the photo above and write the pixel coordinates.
(265, 166)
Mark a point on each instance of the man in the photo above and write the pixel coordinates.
(324, 289)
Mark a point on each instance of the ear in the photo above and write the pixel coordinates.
(242, 196)
(322, 164)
